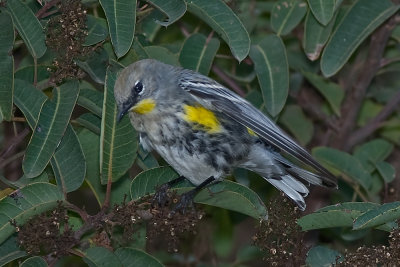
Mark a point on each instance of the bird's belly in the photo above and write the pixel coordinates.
(193, 153)
(193, 166)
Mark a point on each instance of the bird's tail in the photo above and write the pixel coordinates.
(284, 175)
(293, 188)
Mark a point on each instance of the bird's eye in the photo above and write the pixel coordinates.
(138, 87)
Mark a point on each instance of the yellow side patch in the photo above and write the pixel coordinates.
(202, 116)
(251, 132)
(145, 106)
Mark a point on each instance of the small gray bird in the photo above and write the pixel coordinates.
(204, 130)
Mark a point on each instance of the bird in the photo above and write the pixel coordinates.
(204, 131)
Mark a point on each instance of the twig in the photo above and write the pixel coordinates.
(106, 203)
(231, 83)
(308, 100)
(5, 162)
(78, 210)
(13, 142)
(356, 187)
(184, 30)
(209, 37)
(40, 14)
(387, 61)
(356, 94)
(375, 123)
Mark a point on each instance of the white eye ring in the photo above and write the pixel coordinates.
(139, 87)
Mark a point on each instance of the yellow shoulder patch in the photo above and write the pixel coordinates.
(251, 132)
(202, 116)
(145, 106)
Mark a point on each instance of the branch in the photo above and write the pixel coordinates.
(308, 101)
(376, 122)
(356, 94)
(13, 142)
(42, 12)
(230, 82)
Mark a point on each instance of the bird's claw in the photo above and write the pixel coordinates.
(160, 197)
(185, 201)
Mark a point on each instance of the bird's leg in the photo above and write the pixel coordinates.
(160, 196)
(186, 199)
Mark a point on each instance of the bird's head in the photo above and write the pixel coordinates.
(138, 87)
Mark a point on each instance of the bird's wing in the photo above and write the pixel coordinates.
(214, 96)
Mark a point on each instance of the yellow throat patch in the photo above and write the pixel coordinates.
(202, 116)
(145, 106)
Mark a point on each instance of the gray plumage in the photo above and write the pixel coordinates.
(197, 153)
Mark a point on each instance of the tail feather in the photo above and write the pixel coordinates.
(283, 174)
(305, 175)
(293, 192)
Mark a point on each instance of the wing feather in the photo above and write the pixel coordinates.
(214, 96)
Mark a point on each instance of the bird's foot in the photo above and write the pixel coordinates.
(185, 201)
(161, 196)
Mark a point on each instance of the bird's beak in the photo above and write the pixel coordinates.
(121, 113)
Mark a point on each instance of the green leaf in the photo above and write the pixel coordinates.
(136, 53)
(148, 28)
(380, 215)
(131, 257)
(6, 66)
(369, 110)
(271, 65)
(358, 206)
(174, 9)
(28, 27)
(297, 123)
(226, 194)
(51, 125)
(340, 215)
(27, 73)
(29, 100)
(146, 182)
(95, 65)
(286, 15)
(222, 19)
(344, 163)
(97, 30)
(198, 53)
(359, 22)
(386, 170)
(145, 160)
(100, 256)
(9, 251)
(92, 100)
(372, 152)
(90, 143)
(121, 18)
(233, 196)
(323, 256)
(25, 203)
(118, 142)
(91, 122)
(68, 162)
(332, 92)
(162, 54)
(35, 261)
(315, 36)
(24, 181)
(322, 10)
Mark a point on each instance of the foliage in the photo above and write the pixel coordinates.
(326, 71)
